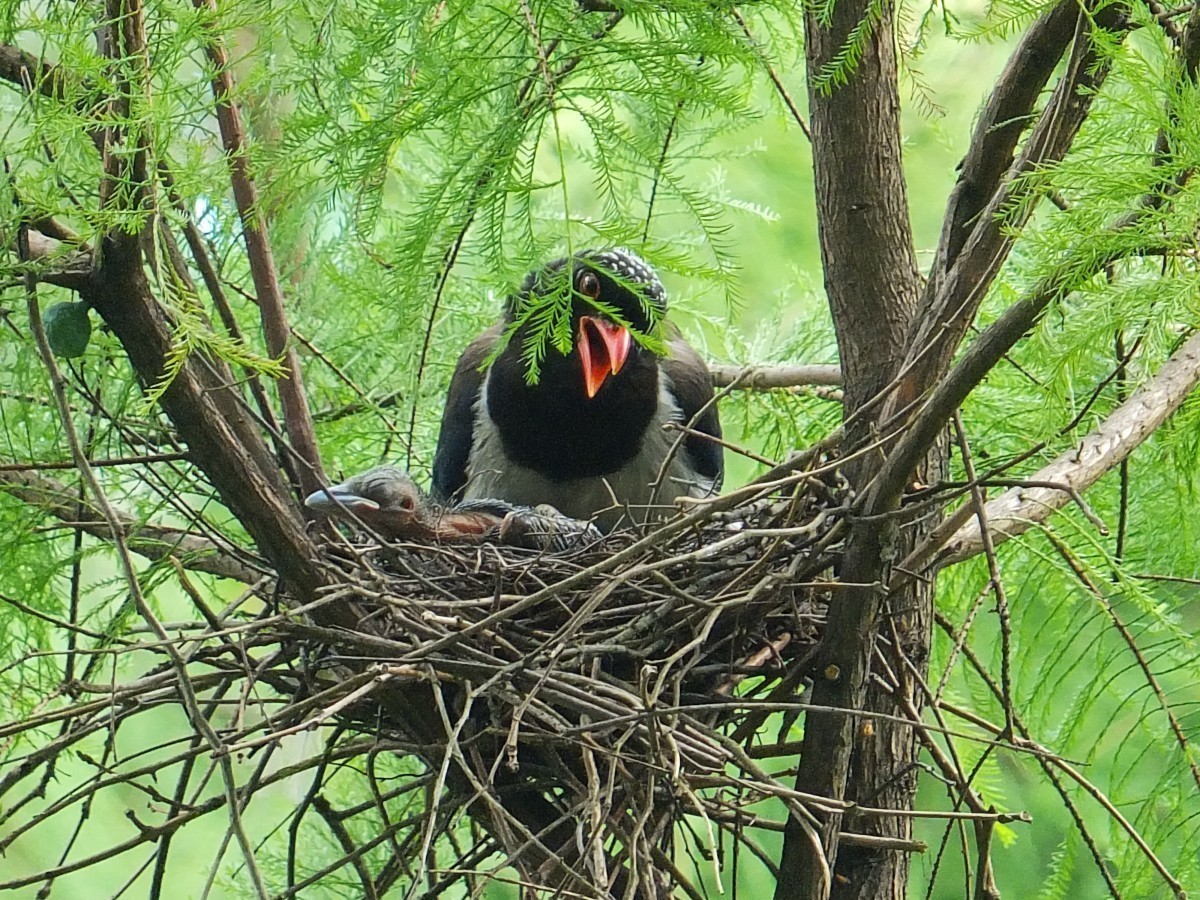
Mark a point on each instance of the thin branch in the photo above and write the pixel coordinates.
(154, 542)
(780, 88)
(1049, 759)
(1017, 510)
(949, 303)
(772, 377)
(296, 414)
(49, 465)
(57, 263)
(226, 445)
(186, 691)
(212, 283)
(995, 579)
(1077, 567)
(991, 345)
(352, 852)
(1001, 123)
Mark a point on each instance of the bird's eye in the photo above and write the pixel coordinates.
(589, 285)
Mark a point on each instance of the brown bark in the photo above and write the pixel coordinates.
(895, 356)
(862, 206)
(292, 397)
(872, 284)
(210, 417)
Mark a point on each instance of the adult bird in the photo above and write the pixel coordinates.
(588, 437)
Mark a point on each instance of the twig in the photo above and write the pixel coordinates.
(997, 585)
(50, 465)
(769, 377)
(780, 89)
(1050, 761)
(1017, 510)
(114, 524)
(151, 541)
(1077, 567)
(1002, 121)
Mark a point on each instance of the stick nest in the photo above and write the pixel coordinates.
(575, 677)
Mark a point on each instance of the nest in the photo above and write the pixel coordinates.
(580, 702)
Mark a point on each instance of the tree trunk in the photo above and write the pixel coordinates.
(872, 283)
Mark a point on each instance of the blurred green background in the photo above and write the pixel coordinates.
(760, 172)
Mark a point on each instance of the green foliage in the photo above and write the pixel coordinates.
(838, 70)
(416, 161)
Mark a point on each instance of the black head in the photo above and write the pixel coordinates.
(595, 396)
(618, 278)
(609, 291)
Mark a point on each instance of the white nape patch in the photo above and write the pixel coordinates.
(491, 476)
(628, 265)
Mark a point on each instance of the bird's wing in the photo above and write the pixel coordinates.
(691, 383)
(458, 418)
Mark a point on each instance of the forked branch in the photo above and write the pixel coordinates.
(1021, 508)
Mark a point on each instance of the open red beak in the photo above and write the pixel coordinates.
(603, 347)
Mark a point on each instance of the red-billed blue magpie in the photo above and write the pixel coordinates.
(587, 438)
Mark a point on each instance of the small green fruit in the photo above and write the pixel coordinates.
(68, 329)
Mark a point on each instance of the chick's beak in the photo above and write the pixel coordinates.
(603, 348)
(328, 500)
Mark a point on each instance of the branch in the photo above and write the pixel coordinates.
(951, 299)
(205, 407)
(132, 21)
(212, 283)
(154, 542)
(62, 265)
(1081, 573)
(780, 87)
(768, 377)
(122, 39)
(1017, 510)
(210, 417)
(296, 414)
(1001, 123)
(38, 76)
(30, 72)
(996, 340)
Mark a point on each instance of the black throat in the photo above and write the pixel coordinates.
(554, 428)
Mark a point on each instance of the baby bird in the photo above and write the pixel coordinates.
(388, 501)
